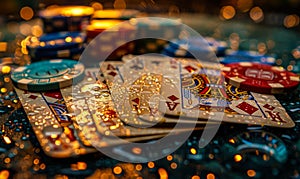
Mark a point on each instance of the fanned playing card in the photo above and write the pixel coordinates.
(205, 95)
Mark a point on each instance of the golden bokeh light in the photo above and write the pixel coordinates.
(4, 174)
(138, 167)
(25, 29)
(81, 165)
(251, 173)
(210, 176)
(169, 157)
(291, 21)
(195, 177)
(137, 150)
(237, 158)
(97, 6)
(6, 69)
(151, 164)
(193, 151)
(227, 12)
(26, 13)
(117, 170)
(256, 14)
(244, 5)
(162, 173)
(173, 165)
(120, 4)
(37, 30)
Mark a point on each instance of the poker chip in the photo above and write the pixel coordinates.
(63, 53)
(56, 45)
(114, 37)
(260, 78)
(119, 14)
(247, 56)
(56, 41)
(184, 47)
(48, 75)
(65, 18)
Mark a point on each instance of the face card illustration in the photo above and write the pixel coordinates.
(207, 92)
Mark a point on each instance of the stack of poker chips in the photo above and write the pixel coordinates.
(112, 22)
(56, 45)
(64, 37)
(65, 18)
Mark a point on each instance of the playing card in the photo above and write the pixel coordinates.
(95, 104)
(53, 127)
(206, 91)
(94, 112)
(205, 95)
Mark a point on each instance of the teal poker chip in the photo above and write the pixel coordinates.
(48, 75)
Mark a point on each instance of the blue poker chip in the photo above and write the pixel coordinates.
(183, 48)
(56, 41)
(63, 53)
(48, 75)
(247, 56)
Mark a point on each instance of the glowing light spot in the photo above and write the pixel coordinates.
(138, 167)
(97, 6)
(42, 166)
(54, 136)
(57, 142)
(210, 176)
(169, 157)
(42, 44)
(231, 141)
(26, 13)
(227, 12)
(193, 151)
(25, 29)
(6, 69)
(162, 173)
(37, 30)
(251, 173)
(6, 79)
(291, 21)
(3, 90)
(81, 165)
(7, 160)
(173, 165)
(4, 174)
(151, 164)
(290, 67)
(24, 51)
(136, 150)
(244, 5)
(117, 170)
(120, 4)
(256, 14)
(36, 161)
(237, 158)
(195, 177)
(68, 39)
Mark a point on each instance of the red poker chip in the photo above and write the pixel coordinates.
(260, 78)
